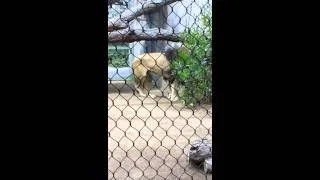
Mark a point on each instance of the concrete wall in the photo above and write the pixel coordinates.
(179, 15)
(176, 17)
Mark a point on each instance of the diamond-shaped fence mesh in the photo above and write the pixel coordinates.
(159, 87)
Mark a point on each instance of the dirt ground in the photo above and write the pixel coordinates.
(150, 138)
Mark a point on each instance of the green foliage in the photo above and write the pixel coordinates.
(118, 56)
(193, 69)
(117, 60)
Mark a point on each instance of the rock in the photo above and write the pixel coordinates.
(207, 165)
(201, 154)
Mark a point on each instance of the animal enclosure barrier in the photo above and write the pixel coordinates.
(159, 103)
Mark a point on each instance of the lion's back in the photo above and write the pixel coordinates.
(155, 62)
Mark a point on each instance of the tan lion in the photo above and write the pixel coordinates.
(158, 64)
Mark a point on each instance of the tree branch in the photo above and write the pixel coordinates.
(129, 35)
(128, 15)
(110, 2)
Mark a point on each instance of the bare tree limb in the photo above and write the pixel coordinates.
(128, 15)
(129, 35)
(110, 2)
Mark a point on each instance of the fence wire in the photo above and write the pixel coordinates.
(159, 87)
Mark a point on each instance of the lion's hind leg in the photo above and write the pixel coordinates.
(139, 85)
(147, 84)
(139, 73)
(174, 91)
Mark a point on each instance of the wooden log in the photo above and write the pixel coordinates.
(130, 35)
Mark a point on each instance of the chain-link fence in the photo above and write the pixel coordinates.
(159, 87)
